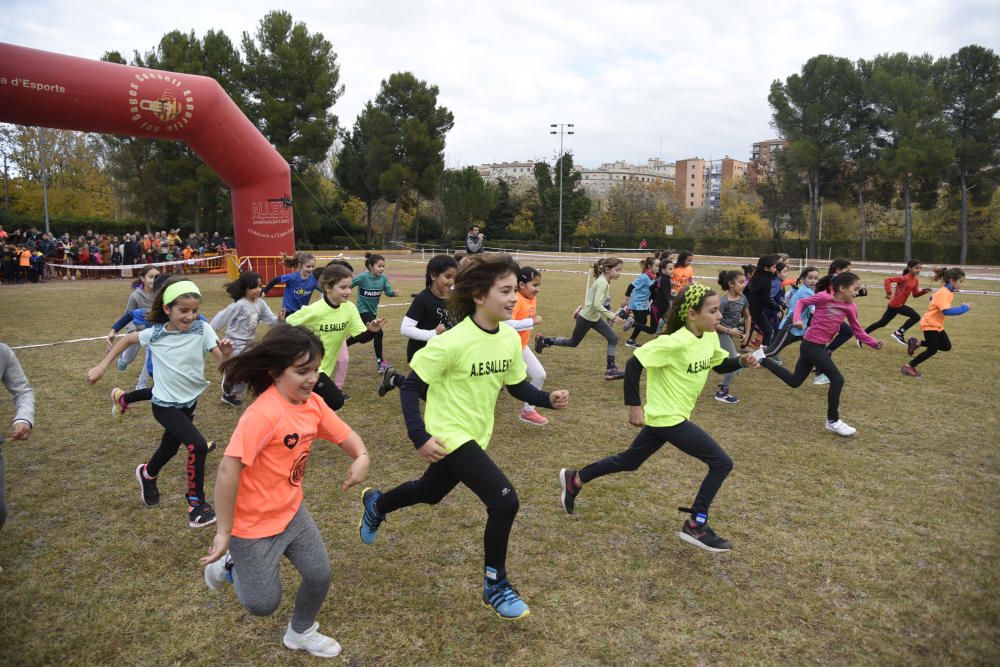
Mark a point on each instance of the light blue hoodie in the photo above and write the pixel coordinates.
(802, 292)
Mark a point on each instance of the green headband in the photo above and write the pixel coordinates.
(175, 290)
(692, 295)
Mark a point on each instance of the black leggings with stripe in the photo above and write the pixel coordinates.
(179, 429)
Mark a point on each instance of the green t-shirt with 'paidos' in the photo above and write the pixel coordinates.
(465, 368)
(332, 325)
(678, 367)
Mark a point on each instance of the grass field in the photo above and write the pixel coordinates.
(879, 549)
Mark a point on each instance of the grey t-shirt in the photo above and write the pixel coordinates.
(732, 311)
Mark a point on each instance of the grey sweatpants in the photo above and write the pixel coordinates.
(601, 326)
(255, 570)
(726, 341)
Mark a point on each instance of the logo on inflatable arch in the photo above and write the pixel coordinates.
(159, 102)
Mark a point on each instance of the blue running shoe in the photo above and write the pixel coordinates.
(121, 364)
(371, 519)
(503, 597)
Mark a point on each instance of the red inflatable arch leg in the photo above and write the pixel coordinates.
(52, 90)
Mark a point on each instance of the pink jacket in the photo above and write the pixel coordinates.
(827, 318)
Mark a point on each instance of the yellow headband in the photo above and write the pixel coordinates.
(692, 295)
(174, 290)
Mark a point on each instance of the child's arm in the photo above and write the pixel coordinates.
(274, 281)
(354, 447)
(430, 448)
(223, 350)
(97, 372)
(522, 325)
(410, 329)
(224, 317)
(389, 291)
(24, 396)
(267, 315)
(227, 484)
(859, 333)
(119, 324)
(748, 323)
(958, 310)
(633, 373)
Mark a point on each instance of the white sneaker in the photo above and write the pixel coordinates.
(311, 640)
(216, 573)
(840, 427)
(821, 379)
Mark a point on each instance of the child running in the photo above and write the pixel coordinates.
(178, 342)
(932, 323)
(594, 315)
(141, 296)
(240, 320)
(787, 334)
(833, 306)
(734, 308)
(336, 321)
(662, 291)
(523, 320)
(299, 285)
(427, 316)
(258, 489)
(371, 284)
(638, 294)
(758, 293)
(678, 364)
(683, 270)
(907, 284)
(461, 373)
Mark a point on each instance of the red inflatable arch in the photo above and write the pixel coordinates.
(53, 90)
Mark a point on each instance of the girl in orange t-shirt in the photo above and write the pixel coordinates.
(259, 485)
(683, 272)
(523, 319)
(932, 323)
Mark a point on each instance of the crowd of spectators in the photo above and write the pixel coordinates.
(27, 252)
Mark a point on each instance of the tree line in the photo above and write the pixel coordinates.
(897, 131)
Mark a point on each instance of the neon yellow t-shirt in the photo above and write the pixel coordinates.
(332, 325)
(678, 367)
(465, 368)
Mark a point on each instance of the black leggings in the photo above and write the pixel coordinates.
(844, 334)
(640, 324)
(471, 466)
(783, 339)
(934, 341)
(179, 429)
(329, 392)
(687, 437)
(763, 325)
(377, 340)
(813, 355)
(890, 313)
(139, 395)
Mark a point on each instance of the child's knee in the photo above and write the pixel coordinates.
(506, 506)
(262, 605)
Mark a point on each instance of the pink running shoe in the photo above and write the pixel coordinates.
(532, 417)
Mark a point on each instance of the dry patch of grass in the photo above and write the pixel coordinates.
(880, 549)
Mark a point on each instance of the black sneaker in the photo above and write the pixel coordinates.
(703, 537)
(569, 490)
(230, 399)
(539, 343)
(386, 384)
(614, 373)
(147, 487)
(200, 515)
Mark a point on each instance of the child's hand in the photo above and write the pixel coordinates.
(636, 416)
(357, 473)
(619, 321)
(220, 545)
(281, 314)
(376, 325)
(95, 374)
(798, 324)
(440, 329)
(536, 319)
(432, 451)
(888, 296)
(559, 399)
(21, 431)
(111, 338)
(970, 305)
(750, 361)
(878, 346)
(226, 347)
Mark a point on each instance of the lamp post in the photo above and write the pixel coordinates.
(562, 130)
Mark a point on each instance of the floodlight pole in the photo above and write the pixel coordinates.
(562, 130)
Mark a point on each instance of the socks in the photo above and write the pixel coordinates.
(611, 361)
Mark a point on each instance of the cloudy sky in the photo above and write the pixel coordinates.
(639, 79)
